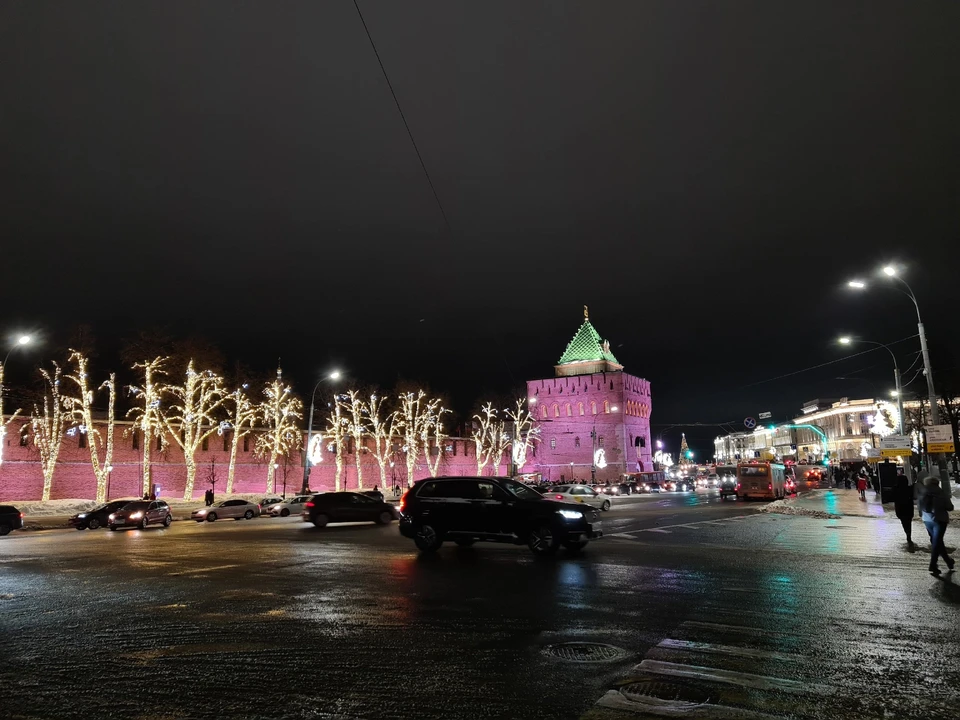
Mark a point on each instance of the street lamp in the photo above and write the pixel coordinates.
(19, 343)
(893, 273)
(332, 377)
(845, 340)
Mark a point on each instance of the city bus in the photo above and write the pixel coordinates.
(760, 479)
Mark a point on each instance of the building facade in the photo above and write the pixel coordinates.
(594, 417)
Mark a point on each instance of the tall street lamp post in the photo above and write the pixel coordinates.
(335, 375)
(20, 342)
(891, 272)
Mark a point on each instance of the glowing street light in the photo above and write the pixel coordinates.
(890, 271)
(844, 340)
(857, 284)
(307, 462)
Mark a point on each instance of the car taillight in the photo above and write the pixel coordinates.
(308, 504)
(403, 500)
(559, 497)
(21, 516)
(738, 486)
(769, 486)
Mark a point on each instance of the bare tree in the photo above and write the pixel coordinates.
(433, 430)
(414, 412)
(4, 421)
(192, 417)
(382, 430)
(147, 418)
(354, 411)
(279, 412)
(484, 435)
(81, 407)
(243, 418)
(49, 426)
(338, 433)
(525, 433)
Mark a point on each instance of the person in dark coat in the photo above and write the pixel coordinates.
(903, 506)
(935, 507)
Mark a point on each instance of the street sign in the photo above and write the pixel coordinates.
(939, 439)
(765, 415)
(749, 423)
(896, 446)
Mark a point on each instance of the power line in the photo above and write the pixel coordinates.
(404, 118)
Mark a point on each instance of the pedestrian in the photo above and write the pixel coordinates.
(935, 506)
(208, 497)
(862, 487)
(846, 479)
(396, 490)
(903, 506)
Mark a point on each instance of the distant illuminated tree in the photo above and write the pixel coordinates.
(338, 433)
(525, 433)
(500, 440)
(243, 418)
(191, 418)
(382, 430)
(49, 426)
(146, 415)
(4, 421)
(81, 408)
(413, 413)
(433, 430)
(485, 435)
(354, 410)
(279, 412)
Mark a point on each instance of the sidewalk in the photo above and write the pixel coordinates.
(840, 502)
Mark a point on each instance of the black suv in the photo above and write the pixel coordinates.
(10, 519)
(728, 486)
(467, 509)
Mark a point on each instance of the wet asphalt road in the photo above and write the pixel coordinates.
(704, 601)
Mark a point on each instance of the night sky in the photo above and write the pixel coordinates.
(705, 176)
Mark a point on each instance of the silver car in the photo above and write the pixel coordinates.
(236, 509)
(578, 494)
(292, 506)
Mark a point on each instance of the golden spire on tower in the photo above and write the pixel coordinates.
(586, 313)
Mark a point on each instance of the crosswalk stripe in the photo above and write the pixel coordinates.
(714, 649)
(732, 677)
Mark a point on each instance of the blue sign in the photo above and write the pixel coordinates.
(749, 423)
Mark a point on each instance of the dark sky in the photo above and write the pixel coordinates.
(703, 175)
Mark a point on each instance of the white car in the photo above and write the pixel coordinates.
(578, 494)
(293, 506)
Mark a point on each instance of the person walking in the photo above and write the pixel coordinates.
(935, 507)
(862, 487)
(903, 507)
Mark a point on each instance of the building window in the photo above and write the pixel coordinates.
(593, 407)
(576, 442)
(246, 443)
(569, 410)
(543, 412)
(553, 443)
(226, 441)
(606, 406)
(159, 442)
(556, 410)
(580, 408)
(599, 440)
(83, 439)
(205, 443)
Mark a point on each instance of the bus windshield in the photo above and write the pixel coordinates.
(754, 471)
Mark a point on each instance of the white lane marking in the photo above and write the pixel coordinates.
(731, 650)
(653, 706)
(623, 535)
(737, 629)
(659, 530)
(731, 677)
(202, 570)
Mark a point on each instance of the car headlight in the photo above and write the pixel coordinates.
(571, 514)
(136, 515)
(82, 515)
(112, 516)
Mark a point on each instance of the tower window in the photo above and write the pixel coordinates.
(569, 410)
(606, 406)
(593, 407)
(553, 443)
(599, 440)
(556, 410)
(576, 442)
(580, 408)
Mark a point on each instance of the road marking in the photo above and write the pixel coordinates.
(659, 530)
(658, 707)
(623, 535)
(714, 649)
(202, 570)
(731, 677)
(737, 629)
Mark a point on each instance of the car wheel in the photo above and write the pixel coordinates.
(384, 518)
(4, 530)
(248, 515)
(167, 520)
(211, 517)
(465, 542)
(113, 528)
(605, 506)
(542, 541)
(575, 545)
(144, 522)
(285, 512)
(427, 539)
(93, 524)
(321, 520)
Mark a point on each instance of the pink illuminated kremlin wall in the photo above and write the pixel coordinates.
(594, 420)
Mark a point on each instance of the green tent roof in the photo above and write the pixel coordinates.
(587, 345)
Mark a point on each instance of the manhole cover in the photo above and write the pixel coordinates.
(586, 652)
(663, 691)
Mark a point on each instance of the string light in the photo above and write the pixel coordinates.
(433, 426)
(337, 433)
(147, 419)
(192, 417)
(4, 422)
(355, 409)
(414, 413)
(81, 409)
(279, 412)
(243, 420)
(381, 428)
(484, 435)
(49, 427)
(526, 433)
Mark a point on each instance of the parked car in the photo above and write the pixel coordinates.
(268, 502)
(10, 519)
(293, 505)
(97, 517)
(493, 509)
(652, 487)
(728, 486)
(237, 509)
(375, 494)
(336, 507)
(578, 494)
(141, 513)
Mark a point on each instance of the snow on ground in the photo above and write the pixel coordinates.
(72, 506)
(782, 507)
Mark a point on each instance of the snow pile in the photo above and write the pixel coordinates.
(71, 506)
(781, 507)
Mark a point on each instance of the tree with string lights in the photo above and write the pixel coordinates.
(147, 419)
(243, 418)
(338, 434)
(191, 417)
(432, 430)
(4, 421)
(278, 412)
(49, 426)
(80, 406)
(382, 430)
(355, 412)
(525, 433)
(413, 413)
(484, 435)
